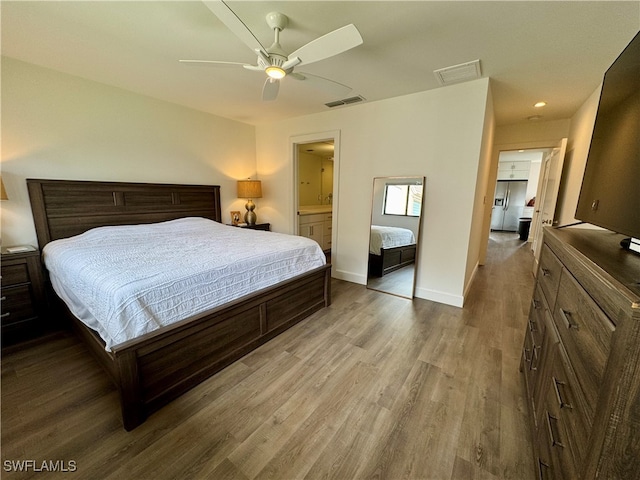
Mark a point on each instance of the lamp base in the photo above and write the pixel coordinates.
(250, 217)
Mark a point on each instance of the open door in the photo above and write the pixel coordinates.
(547, 197)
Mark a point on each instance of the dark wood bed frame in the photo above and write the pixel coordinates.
(156, 368)
(391, 259)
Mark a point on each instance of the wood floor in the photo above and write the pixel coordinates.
(376, 386)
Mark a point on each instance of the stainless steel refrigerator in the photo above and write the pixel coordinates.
(508, 203)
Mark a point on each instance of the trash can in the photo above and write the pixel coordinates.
(523, 227)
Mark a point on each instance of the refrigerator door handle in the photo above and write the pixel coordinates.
(506, 201)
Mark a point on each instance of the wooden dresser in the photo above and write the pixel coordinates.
(581, 357)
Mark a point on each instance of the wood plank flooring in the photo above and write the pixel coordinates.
(376, 386)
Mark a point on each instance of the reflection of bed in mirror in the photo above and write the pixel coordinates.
(390, 248)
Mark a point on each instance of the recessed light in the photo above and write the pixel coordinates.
(534, 117)
(539, 104)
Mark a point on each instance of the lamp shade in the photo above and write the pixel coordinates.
(249, 189)
(3, 192)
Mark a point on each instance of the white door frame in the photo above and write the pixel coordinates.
(547, 197)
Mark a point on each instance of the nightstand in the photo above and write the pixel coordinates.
(23, 297)
(258, 226)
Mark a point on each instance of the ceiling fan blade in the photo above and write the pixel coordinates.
(270, 89)
(328, 45)
(214, 62)
(292, 62)
(233, 23)
(334, 88)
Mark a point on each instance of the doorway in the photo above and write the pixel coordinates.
(515, 190)
(316, 177)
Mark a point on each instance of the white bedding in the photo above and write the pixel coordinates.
(126, 281)
(387, 237)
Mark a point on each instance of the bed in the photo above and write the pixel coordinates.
(390, 248)
(155, 367)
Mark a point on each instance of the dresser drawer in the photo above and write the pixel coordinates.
(586, 334)
(529, 361)
(17, 304)
(549, 274)
(554, 438)
(311, 218)
(14, 274)
(565, 401)
(544, 468)
(536, 324)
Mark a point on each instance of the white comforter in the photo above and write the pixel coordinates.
(388, 237)
(126, 281)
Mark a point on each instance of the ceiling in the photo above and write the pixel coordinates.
(537, 50)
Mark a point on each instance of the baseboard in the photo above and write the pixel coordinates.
(470, 282)
(440, 297)
(349, 276)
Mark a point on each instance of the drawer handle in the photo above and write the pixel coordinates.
(532, 326)
(543, 470)
(552, 425)
(568, 319)
(534, 356)
(536, 304)
(556, 385)
(5, 315)
(546, 272)
(528, 360)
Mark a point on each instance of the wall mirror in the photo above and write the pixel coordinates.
(396, 212)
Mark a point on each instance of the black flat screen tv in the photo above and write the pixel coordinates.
(610, 192)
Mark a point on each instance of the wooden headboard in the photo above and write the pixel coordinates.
(63, 208)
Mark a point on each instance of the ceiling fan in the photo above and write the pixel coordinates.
(275, 62)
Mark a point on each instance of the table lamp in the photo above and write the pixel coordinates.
(250, 189)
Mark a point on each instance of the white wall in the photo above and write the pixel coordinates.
(531, 134)
(437, 134)
(578, 143)
(60, 126)
(483, 199)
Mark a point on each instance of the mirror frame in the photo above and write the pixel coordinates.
(372, 260)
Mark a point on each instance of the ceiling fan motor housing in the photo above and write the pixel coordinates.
(277, 20)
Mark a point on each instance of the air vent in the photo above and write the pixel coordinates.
(345, 101)
(458, 73)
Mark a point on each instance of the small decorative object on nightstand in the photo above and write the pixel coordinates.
(250, 189)
(257, 226)
(235, 218)
(23, 297)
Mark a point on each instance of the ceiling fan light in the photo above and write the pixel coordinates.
(275, 72)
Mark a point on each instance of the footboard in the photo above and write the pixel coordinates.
(156, 369)
(391, 259)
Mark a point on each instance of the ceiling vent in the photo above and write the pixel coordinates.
(345, 101)
(458, 73)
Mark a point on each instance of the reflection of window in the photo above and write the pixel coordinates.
(402, 200)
